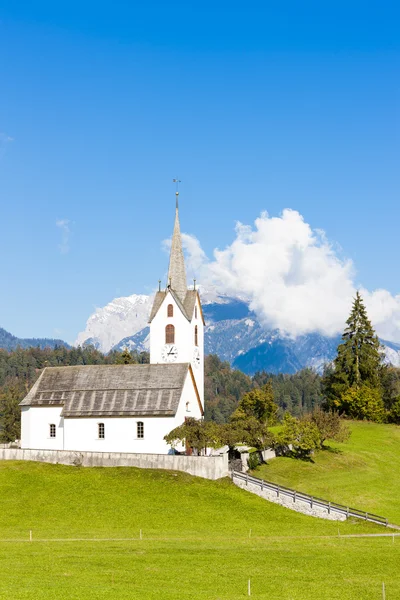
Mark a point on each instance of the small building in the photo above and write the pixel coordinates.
(127, 408)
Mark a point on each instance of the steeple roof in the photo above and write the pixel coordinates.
(176, 271)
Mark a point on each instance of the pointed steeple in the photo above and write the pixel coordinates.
(176, 271)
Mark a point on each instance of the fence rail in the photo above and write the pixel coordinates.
(331, 507)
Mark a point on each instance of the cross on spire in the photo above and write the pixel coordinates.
(177, 182)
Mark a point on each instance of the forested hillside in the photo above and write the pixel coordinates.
(224, 386)
(10, 342)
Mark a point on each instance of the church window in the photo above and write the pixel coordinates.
(170, 334)
(52, 430)
(102, 432)
(195, 312)
(170, 310)
(140, 430)
(196, 336)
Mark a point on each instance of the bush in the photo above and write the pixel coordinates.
(363, 403)
(301, 435)
(394, 414)
(254, 460)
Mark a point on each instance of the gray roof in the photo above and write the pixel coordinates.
(110, 390)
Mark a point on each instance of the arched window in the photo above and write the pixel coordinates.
(170, 310)
(170, 334)
(195, 312)
(140, 430)
(102, 432)
(196, 336)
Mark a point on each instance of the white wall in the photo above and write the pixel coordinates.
(81, 434)
(210, 467)
(184, 338)
(35, 427)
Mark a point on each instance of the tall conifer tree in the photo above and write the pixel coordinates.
(358, 361)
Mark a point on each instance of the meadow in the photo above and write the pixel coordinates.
(362, 472)
(199, 539)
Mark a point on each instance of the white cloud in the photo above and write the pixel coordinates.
(293, 277)
(64, 225)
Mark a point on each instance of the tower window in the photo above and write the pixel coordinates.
(52, 430)
(102, 432)
(140, 430)
(195, 312)
(170, 310)
(170, 334)
(196, 336)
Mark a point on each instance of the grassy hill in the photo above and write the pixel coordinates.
(196, 544)
(363, 472)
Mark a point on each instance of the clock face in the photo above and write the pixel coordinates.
(169, 353)
(196, 358)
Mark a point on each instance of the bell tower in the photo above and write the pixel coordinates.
(176, 319)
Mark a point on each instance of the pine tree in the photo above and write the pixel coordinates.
(125, 358)
(358, 361)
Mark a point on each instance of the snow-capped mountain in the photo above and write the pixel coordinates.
(232, 331)
(120, 318)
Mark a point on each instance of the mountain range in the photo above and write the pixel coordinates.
(10, 342)
(232, 331)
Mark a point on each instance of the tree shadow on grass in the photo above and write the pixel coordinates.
(331, 449)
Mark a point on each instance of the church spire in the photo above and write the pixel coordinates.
(177, 271)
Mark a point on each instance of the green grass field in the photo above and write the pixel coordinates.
(363, 473)
(196, 540)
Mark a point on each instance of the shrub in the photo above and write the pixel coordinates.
(363, 402)
(254, 460)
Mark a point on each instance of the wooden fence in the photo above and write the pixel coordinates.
(331, 507)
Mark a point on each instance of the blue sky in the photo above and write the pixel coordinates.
(263, 106)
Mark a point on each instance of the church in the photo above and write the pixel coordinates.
(127, 408)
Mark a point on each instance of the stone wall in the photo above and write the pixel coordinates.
(301, 506)
(208, 467)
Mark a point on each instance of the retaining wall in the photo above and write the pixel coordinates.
(301, 506)
(208, 467)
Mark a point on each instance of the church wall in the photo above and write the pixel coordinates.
(120, 434)
(35, 427)
(199, 372)
(190, 410)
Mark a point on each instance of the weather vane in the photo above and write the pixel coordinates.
(177, 182)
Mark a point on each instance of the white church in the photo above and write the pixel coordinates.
(127, 408)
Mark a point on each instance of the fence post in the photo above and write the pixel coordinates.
(366, 516)
(277, 491)
(347, 513)
(311, 502)
(294, 496)
(262, 484)
(329, 508)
